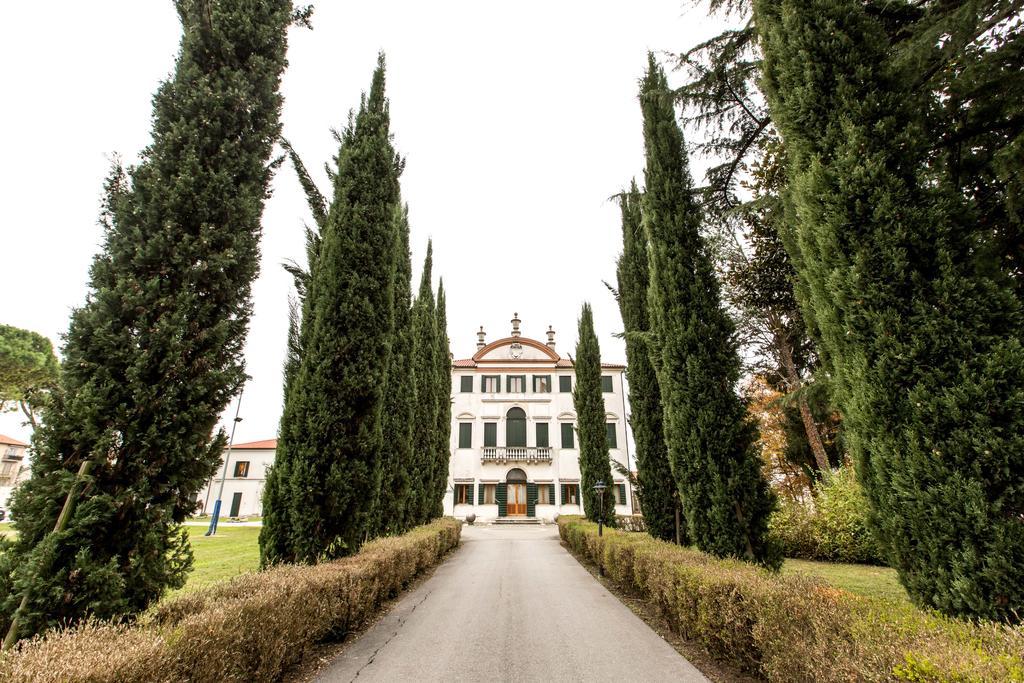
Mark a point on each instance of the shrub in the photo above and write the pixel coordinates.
(832, 528)
(795, 628)
(251, 628)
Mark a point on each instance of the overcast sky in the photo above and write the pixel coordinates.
(517, 121)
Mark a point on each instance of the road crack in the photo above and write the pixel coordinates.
(401, 623)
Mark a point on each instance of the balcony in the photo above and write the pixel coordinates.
(507, 454)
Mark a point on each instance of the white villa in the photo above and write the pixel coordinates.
(514, 443)
(243, 485)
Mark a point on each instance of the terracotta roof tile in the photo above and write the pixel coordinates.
(266, 444)
(465, 363)
(11, 441)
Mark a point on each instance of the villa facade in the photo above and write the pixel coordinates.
(515, 449)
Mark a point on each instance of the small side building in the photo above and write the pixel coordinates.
(13, 466)
(243, 485)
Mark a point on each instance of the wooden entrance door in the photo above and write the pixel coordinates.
(516, 504)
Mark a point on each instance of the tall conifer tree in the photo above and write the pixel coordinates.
(425, 348)
(442, 433)
(657, 487)
(393, 504)
(331, 430)
(155, 353)
(588, 401)
(918, 324)
(711, 440)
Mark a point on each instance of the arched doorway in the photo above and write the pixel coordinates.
(515, 428)
(515, 504)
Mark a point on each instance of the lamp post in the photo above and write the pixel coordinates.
(224, 473)
(599, 488)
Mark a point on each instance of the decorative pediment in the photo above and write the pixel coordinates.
(465, 416)
(513, 349)
(567, 416)
(611, 416)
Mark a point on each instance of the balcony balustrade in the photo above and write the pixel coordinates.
(505, 454)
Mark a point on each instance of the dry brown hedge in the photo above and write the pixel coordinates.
(251, 628)
(796, 628)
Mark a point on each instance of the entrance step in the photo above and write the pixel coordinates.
(518, 520)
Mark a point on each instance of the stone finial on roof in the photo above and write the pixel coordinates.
(515, 324)
(480, 343)
(551, 337)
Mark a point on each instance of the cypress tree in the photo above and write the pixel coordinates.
(711, 440)
(274, 542)
(425, 348)
(331, 429)
(442, 433)
(155, 353)
(393, 506)
(918, 324)
(588, 401)
(657, 487)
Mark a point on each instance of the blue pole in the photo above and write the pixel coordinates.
(224, 473)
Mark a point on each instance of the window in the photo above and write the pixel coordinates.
(542, 435)
(242, 468)
(515, 427)
(606, 384)
(466, 384)
(516, 384)
(570, 494)
(544, 494)
(465, 435)
(490, 384)
(567, 436)
(609, 429)
(619, 491)
(463, 494)
(542, 384)
(565, 383)
(487, 494)
(490, 434)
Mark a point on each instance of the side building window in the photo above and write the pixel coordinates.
(606, 384)
(570, 494)
(565, 383)
(465, 435)
(242, 469)
(542, 384)
(620, 494)
(567, 436)
(466, 384)
(490, 434)
(613, 439)
(463, 494)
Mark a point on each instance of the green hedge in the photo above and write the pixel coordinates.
(251, 628)
(795, 628)
(831, 527)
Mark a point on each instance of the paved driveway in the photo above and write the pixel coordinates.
(510, 605)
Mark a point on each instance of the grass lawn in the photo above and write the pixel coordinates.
(862, 579)
(233, 551)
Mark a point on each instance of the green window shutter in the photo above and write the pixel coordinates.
(469, 494)
(480, 493)
(567, 435)
(531, 499)
(490, 434)
(467, 384)
(565, 383)
(561, 497)
(465, 435)
(501, 498)
(609, 429)
(606, 384)
(551, 494)
(542, 435)
(622, 493)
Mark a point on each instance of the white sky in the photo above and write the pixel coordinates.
(517, 120)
